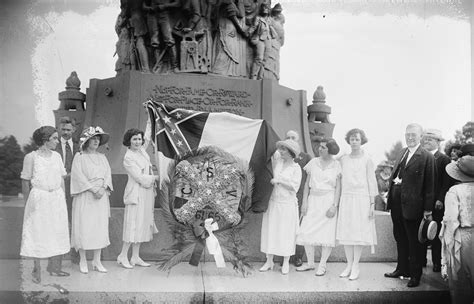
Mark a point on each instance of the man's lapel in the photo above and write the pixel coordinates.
(414, 158)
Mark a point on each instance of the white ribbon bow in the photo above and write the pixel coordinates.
(212, 243)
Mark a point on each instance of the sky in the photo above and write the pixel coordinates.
(380, 71)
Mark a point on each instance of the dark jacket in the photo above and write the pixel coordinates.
(417, 192)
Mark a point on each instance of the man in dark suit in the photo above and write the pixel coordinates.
(431, 142)
(410, 198)
(67, 148)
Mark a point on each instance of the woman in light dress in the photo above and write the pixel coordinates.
(280, 221)
(355, 222)
(139, 198)
(45, 226)
(457, 234)
(91, 184)
(321, 195)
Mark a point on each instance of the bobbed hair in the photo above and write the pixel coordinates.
(354, 131)
(331, 144)
(129, 134)
(43, 134)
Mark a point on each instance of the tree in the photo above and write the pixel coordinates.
(30, 147)
(394, 152)
(11, 163)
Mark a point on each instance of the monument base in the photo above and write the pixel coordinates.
(11, 227)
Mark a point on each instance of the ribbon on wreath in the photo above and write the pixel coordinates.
(204, 231)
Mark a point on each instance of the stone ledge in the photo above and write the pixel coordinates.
(11, 219)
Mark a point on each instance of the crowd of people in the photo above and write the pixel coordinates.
(321, 201)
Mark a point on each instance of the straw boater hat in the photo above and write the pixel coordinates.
(290, 144)
(427, 230)
(90, 132)
(433, 133)
(462, 170)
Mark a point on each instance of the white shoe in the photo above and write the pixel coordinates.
(321, 270)
(124, 262)
(97, 266)
(285, 269)
(266, 267)
(139, 262)
(346, 272)
(354, 273)
(305, 267)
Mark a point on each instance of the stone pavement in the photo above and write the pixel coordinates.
(208, 284)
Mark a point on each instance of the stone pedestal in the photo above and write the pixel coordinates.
(116, 104)
(72, 104)
(319, 125)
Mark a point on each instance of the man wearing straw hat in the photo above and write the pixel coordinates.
(431, 141)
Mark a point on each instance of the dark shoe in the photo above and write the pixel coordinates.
(396, 274)
(74, 257)
(436, 268)
(413, 282)
(298, 262)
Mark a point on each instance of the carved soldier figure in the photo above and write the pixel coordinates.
(123, 45)
(261, 36)
(158, 20)
(132, 10)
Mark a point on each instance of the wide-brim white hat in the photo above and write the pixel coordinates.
(90, 132)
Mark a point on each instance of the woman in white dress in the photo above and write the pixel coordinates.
(321, 195)
(45, 226)
(355, 223)
(457, 234)
(91, 184)
(139, 198)
(280, 221)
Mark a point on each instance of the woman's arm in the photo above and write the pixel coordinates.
(304, 204)
(144, 179)
(25, 188)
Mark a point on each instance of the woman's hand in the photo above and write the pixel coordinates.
(371, 207)
(99, 193)
(331, 212)
(274, 181)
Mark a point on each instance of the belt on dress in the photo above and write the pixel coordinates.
(46, 189)
(320, 191)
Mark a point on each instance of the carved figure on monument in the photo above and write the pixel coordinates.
(196, 41)
(277, 22)
(159, 26)
(132, 10)
(230, 45)
(261, 34)
(123, 45)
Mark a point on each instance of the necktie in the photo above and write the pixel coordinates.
(403, 163)
(68, 158)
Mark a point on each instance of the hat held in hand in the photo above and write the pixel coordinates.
(427, 230)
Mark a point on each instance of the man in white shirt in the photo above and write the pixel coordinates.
(411, 198)
(67, 149)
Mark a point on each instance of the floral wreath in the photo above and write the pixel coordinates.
(191, 233)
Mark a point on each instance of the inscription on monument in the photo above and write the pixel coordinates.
(203, 99)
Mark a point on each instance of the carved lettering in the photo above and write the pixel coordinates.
(206, 100)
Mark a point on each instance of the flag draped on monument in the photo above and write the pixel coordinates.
(176, 132)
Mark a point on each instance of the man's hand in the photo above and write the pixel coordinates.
(427, 215)
(439, 205)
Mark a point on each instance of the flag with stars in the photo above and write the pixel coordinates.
(178, 131)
